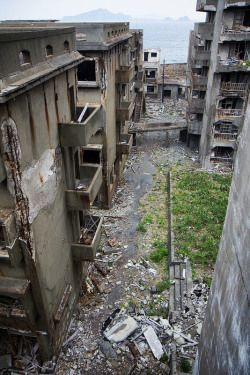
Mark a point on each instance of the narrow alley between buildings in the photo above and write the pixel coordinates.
(124, 284)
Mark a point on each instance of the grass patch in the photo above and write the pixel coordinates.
(199, 203)
(160, 251)
(163, 285)
(141, 228)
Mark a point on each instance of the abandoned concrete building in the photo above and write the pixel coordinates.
(218, 79)
(151, 65)
(224, 342)
(172, 80)
(62, 151)
(110, 89)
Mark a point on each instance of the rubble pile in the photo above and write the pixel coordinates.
(122, 323)
(169, 111)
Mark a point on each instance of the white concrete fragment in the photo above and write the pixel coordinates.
(154, 342)
(164, 323)
(121, 330)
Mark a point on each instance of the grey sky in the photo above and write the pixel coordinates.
(56, 9)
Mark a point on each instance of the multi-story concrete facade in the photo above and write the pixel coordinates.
(110, 82)
(63, 150)
(224, 342)
(219, 79)
(151, 65)
(111, 76)
(39, 280)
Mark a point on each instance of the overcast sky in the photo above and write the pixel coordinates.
(56, 9)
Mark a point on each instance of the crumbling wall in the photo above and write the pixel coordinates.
(37, 182)
(224, 342)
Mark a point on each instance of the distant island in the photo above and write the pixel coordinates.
(104, 15)
(181, 19)
(98, 15)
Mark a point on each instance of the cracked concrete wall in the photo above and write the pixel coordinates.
(41, 180)
(224, 341)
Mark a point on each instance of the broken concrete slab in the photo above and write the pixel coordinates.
(121, 330)
(154, 342)
(107, 349)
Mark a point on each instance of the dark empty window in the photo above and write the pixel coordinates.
(150, 89)
(246, 21)
(49, 50)
(66, 47)
(153, 54)
(86, 71)
(91, 156)
(208, 45)
(24, 57)
(145, 56)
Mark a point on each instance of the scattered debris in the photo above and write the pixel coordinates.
(121, 330)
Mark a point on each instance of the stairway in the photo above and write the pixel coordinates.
(138, 107)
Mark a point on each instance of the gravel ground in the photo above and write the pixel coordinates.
(128, 276)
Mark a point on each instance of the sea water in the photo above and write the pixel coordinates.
(171, 37)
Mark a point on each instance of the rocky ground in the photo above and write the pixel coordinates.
(121, 288)
(121, 324)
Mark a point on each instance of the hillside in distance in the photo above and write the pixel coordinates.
(104, 15)
(97, 15)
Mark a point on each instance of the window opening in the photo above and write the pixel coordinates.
(146, 56)
(49, 50)
(246, 21)
(86, 71)
(153, 54)
(24, 57)
(66, 47)
(77, 165)
(150, 89)
(91, 156)
(72, 103)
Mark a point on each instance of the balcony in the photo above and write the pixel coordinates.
(125, 110)
(194, 127)
(204, 29)
(231, 64)
(125, 74)
(17, 305)
(198, 82)
(224, 139)
(200, 57)
(206, 5)
(87, 188)
(125, 144)
(230, 3)
(85, 249)
(241, 33)
(197, 105)
(231, 88)
(74, 134)
(222, 112)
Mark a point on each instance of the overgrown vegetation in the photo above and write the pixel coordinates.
(199, 203)
(185, 365)
(160, 251)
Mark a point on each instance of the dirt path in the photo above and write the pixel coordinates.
(129, 278)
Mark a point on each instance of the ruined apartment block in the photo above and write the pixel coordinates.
(62, 153)
(151, 65)
(219, 79)
(172, 81)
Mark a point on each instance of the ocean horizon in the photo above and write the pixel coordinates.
(171, 37)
